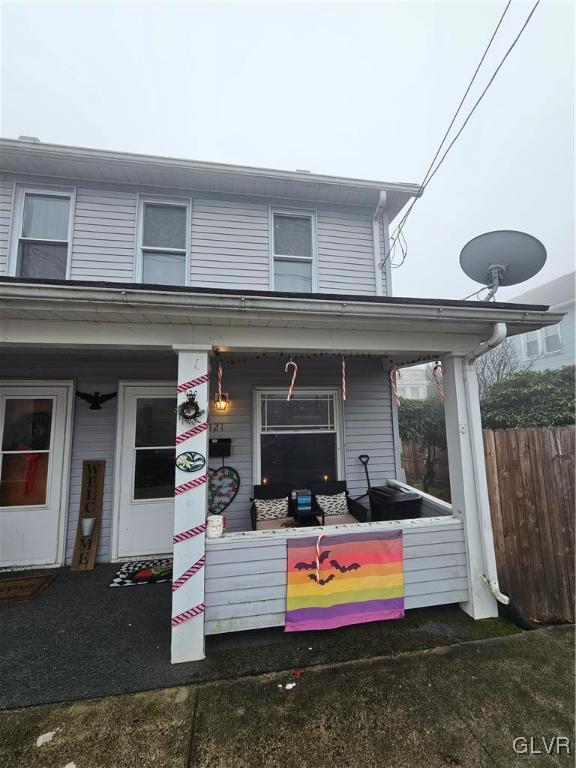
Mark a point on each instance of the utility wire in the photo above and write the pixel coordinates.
(430, 175)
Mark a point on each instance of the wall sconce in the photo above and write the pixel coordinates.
(264, 481)
(325, 478)
(221, 402)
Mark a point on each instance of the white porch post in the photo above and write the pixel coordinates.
(463, 484)
(190, 509)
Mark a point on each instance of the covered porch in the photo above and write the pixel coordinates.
(238, 581)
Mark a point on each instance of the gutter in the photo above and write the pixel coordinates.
(378, 211)
(112, 297)
(477, 445)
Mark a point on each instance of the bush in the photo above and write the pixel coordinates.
(422, 421)
(531, 399)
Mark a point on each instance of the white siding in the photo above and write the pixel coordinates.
(345, 253)
(6, 202)
(230, 239)
(246, 579)
(94, 432)
(104, 235)
(367, 421)
(229, 245)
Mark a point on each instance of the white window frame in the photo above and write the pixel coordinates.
(556, 328)
(525, 345)
(299, 213)
(257, 426)
(172, 202)
(17, 221)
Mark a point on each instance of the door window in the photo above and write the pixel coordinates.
(25, 451)
(154, 447)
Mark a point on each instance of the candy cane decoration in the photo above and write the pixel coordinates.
(438, 381)
(189, 534)
(291, 387)
(318, 540)
(393, 375)
(190, 504)
(192, 433)
(219, 381)
(177, 583)
(343, 378)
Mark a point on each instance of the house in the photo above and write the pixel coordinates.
(552, 346)
(415, 382)
(150, 283)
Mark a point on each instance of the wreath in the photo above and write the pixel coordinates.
(189, 411)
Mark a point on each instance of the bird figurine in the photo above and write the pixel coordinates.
(96, 399)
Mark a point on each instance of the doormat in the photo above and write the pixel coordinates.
(143, 572)
(23, 589)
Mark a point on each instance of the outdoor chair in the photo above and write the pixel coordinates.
(272, 491)
(356, 512)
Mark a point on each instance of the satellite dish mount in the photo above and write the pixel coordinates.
(504, 257)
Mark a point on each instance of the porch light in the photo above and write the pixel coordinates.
(264, 481)
(325, 478)
(221, 402)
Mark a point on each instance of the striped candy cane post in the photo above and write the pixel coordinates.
(190, 508)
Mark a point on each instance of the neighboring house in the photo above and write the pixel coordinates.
(148, 278)
(552, 346)
(414, 383)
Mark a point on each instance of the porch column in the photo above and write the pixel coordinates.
(464, 483)
(190, 510)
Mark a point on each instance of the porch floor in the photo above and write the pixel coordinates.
(79, 639)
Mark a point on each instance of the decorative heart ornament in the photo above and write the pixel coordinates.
(223, 485)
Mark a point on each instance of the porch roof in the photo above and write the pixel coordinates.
(127, 303)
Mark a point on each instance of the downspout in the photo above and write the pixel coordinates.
(477, 445)
(376, 241)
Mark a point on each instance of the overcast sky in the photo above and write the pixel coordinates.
(363, 89)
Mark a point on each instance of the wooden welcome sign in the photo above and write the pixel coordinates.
(89, 516)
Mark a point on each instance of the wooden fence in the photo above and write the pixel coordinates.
(531, 488)
(414, 459)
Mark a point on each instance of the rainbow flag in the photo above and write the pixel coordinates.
(334, 581)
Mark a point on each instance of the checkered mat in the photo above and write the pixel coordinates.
(143, 572)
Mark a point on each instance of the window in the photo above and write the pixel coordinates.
(532, 344)
(298, 440)
(43, 234)
(154, 449)
(546, 341)
(293, 252)
(164, 242)
(25, 452)
(552, 340)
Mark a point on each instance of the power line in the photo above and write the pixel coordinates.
(430, 175)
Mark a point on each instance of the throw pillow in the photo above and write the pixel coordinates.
(271, 509)
(333, 505)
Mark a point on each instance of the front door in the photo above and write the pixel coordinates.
(34, 444)
(147, 429)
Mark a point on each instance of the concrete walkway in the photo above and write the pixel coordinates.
(458, 706)
(80, 640)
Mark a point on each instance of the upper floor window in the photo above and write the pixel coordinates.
(43, 234)
(293, 252)
(164, 242)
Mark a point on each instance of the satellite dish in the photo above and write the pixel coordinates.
(503, 257)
